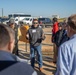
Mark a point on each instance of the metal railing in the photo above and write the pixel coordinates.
(46, 25)
(27, 44)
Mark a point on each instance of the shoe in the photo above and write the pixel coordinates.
(54, 62)
(41, 69)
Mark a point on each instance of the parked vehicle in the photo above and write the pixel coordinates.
(0, 20)
(45, 22)
(18, 19)
(27, 20)
(4, 20)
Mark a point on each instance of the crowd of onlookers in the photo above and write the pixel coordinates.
(64, 43)
(59, 35)
(64, 39)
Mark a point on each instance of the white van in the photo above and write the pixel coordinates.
(27, 20)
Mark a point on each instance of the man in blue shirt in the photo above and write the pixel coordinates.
(66, 63)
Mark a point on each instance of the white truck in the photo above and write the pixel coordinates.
(18, 19)
(28, 20)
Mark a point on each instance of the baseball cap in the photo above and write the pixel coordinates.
(11, 21)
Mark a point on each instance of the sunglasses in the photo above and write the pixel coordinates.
(35, 23)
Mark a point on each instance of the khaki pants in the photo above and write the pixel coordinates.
(55, 52)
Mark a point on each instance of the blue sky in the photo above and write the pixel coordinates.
(47, 8)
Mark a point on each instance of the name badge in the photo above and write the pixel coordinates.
(33, 31)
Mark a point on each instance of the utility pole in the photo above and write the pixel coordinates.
(2, 12)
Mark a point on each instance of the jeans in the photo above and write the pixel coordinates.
(37, 49)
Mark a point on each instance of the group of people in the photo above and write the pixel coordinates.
(35, 35)
(59, 36)
(64, 39)
(9, 49)
(65, 43)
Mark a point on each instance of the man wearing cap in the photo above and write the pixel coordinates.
(66, 64)
(17, 34)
